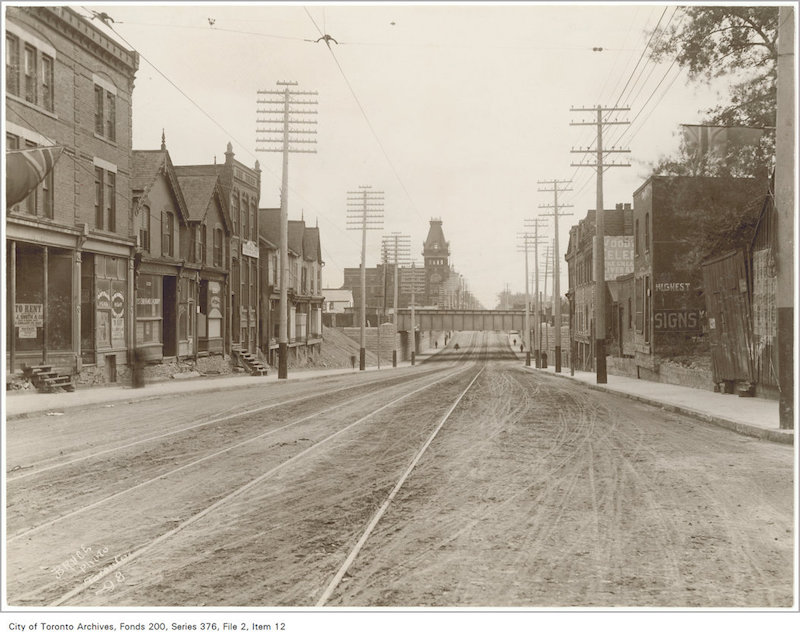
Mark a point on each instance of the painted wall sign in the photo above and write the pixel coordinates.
(618, 256)
(663, 287)
(682, 320)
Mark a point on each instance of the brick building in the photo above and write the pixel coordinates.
(71, 243)
(304, 290)
(580, 262)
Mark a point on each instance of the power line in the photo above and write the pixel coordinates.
(369, 123)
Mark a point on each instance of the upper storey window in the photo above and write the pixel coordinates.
(105, 108)
(29, 68)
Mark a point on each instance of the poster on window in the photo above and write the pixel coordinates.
(118, 319)
(29, 316)
(215, 300)
(103, 329)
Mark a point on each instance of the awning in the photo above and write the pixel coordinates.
(25, 169)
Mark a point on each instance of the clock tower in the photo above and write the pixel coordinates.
(436, 252)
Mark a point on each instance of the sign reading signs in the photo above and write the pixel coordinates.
(618, 256)
(681, 320)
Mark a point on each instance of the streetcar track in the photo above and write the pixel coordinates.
(195, 462)
(382, 510)
(237, 492)
(256, 410)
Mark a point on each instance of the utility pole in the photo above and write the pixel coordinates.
(599, 260)
(535, 224)
(556, 268)
(295, 130)
(527, 242)
(413, 301)
(785, 179)
(547, 257)
(399, 245)
(364, 211)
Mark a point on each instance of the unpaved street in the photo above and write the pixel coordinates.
(534, 491)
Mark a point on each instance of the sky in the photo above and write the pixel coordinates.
(454, 111)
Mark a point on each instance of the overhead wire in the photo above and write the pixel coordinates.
(220, 126)
(369, 123)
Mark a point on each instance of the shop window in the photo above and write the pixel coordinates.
(12, 64)
(29, 299)
(59, 300)
(148, 309)
(167, 234)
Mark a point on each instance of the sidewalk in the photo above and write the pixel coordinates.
(27, 403)
(750, 416)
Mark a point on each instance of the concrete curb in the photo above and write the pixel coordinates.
(773, 435)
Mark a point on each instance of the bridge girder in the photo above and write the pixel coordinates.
(477, 320)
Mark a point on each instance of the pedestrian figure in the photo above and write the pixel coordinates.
(521, 348)
(353, 361)
(435, 344)
(515, 342)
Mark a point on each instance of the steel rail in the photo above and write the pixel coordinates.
(239, 491)
(197, 461)
(255, 410)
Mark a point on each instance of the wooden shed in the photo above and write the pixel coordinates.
(727, 293)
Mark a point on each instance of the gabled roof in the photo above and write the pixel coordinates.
(148, 165)
(311, 246)
(269, 225)
(200, 188)
(296, 231)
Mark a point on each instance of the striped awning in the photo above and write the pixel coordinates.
(25, 169)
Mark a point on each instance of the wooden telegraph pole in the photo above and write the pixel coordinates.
(535, 223)
(399, 246)
(364, 211)
(785, 197)
(557, 269)
(599, 249)
(290, 108)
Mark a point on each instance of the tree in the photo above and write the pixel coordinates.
(735, 41)
(739, 42)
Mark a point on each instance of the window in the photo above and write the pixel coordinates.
(105, 195)
(203, 243)
(32, 201)
(235, 212)
(218, 247)
(30, 73)
(12, 64)
(105, 113)
(253, 230)
(636, 237)
(46, 84)
(245, 224)
(167, 234)
(646, 232)
(144, 228)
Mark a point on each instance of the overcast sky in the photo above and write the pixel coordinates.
(455, 111)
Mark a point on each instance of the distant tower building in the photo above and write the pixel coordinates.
(436, 252)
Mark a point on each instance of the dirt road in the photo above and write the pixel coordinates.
(530, 491)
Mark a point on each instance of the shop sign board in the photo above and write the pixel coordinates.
(249, 248)
(27, 318)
